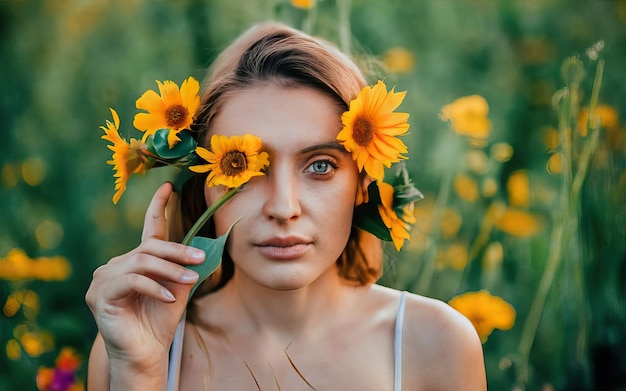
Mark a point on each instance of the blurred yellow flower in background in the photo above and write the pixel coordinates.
(450, 223)
(518, 188)
(554, 165)
(607, 115)
(399, 60)
(371, 127)
(18, 266)
(466, 188)
(486, 312)
(518, 223)
(455, 255)
(232, 160)
(501, 152)
(304, 4)
(468, 116)
(174, 109)
(494, 254)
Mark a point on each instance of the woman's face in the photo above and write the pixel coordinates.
(294, 222)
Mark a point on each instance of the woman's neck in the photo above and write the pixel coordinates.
(248, 307)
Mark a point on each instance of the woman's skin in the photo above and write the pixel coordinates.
(286, 306)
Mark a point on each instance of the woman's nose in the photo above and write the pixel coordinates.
(282, 202)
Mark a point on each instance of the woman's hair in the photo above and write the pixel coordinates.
(272, 53)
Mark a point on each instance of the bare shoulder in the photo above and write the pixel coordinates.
(441, 349)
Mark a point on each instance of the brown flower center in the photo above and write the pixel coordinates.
(176, 116)
(362, 131)
(233, 163)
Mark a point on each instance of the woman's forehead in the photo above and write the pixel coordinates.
(280, 116)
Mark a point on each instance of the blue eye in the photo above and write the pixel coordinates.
(321, 167)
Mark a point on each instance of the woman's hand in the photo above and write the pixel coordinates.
(138, 298)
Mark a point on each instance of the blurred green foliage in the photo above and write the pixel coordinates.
(64, 62)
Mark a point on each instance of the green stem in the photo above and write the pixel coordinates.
(566, 224)
(343, 13)
(208, 213)
(429, 260)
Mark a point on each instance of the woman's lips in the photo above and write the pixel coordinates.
(283, 248)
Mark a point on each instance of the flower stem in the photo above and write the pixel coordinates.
(564, 229)
(208, 213)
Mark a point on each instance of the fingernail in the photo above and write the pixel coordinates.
(189, 276)
(196, 254)
(168, 294)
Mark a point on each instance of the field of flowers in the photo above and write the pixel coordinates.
(517, 139)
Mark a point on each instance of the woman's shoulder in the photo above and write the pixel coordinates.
(441, 348)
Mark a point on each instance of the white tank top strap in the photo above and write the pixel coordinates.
(175, 359)
(397, 344)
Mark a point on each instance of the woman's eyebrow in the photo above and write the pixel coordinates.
(329, 145)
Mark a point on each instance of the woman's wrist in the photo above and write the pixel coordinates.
(145, 375)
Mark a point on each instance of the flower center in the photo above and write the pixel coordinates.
(233, 163)
(362, 131)
(175, 116)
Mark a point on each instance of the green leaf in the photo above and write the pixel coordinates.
(367, 217)
(214, 249)
(185, 146)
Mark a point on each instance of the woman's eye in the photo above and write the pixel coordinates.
(321, 167)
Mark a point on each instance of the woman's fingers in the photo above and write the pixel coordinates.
(147, 265)
(173, 252)
(155, 223)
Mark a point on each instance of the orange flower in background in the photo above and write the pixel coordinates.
(18, 266)
(607, 115)
(399, 60)
(399, 226)
(232, 160)
(455, 255)
(173, 109)
(518, 223)
(466, 188)
(371, 129)
(518, 188)
(486, 312)
(304, 4)
(128, 158)
(63, 376)
(468, 116)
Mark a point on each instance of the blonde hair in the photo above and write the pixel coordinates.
(274, 53)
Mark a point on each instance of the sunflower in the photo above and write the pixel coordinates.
(128, 158)
(399, 226)
(371, 127)
(232, 160)
(174, 109)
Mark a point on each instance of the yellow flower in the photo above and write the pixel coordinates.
(371, 127)
(456, 256)
(174, 109)
(518, 188)
(128, 158)
(304, 4)
(232, 160)
(399, 60)
(468, 116)
(399, 226)
(606, 115)
(486, 312)
(466, 188)
(518, 223)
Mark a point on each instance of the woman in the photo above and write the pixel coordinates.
(294, 305)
